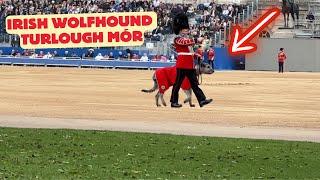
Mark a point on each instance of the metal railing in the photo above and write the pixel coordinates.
(84, 59)
(26, 61)
(309, 29)
(243, 18)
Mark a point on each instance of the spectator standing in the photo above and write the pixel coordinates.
(199, 54)
(281, 59)
(310, 18)
(211, 57)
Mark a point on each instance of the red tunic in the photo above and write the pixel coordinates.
(282, 57)
(211, 54)
(199, 53)
(185, 55)
(166, 77)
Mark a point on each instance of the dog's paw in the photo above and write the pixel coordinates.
(164, 104)
(158, 105)
(192, 105)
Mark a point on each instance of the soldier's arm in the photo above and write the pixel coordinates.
(184, 41)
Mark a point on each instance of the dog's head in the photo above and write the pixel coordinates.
(205, 68)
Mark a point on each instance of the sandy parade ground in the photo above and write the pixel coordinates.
(246, 104)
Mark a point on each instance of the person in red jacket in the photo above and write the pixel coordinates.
(281, 59)
(185, 62)
(199, 54)
(211, 56)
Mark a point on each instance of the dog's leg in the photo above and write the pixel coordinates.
(162, 100)
(157, 99)
(189, 97)
(187, 94)
(155, 85)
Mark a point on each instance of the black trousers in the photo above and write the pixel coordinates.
(280, 67)
(192, 76)
(211, 63)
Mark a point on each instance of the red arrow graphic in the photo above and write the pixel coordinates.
(240, 42)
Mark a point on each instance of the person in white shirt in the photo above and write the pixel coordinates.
(156, 3)
(172, 59)
(47, 56)
(33, 55)
(144, 57)
(99, 57)
(225, 12)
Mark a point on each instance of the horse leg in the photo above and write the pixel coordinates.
(293, 18)
(297, 12)
(297, 16)
(285, 19)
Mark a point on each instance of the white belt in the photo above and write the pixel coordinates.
(185, 53)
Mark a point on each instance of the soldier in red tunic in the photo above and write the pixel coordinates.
(211, 56)
(185, 62)
(281, 59)
(199, 54)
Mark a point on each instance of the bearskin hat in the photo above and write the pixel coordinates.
(180, 21)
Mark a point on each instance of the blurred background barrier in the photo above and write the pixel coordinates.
(222, 60)
(302, 55)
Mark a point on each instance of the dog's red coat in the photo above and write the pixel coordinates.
(166, 77)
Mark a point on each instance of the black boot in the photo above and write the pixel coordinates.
(176, 105)
(205, 102)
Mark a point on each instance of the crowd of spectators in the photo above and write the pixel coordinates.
(213, 17)
(91, 54)
(210, 17)
(206, 20)
(128, 55)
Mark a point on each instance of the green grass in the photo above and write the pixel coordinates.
(71, 154)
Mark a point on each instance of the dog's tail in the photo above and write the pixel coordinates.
(148, 90)
(155, 86)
